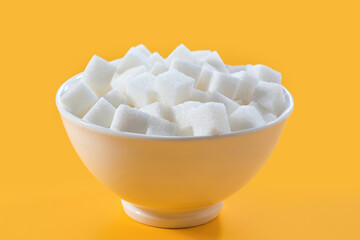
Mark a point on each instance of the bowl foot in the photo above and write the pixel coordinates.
(172, 218)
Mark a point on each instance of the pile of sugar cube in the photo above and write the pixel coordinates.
(189, 93)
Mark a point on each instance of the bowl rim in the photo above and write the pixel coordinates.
(109, 131)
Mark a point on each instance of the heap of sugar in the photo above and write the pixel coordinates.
(189, 93)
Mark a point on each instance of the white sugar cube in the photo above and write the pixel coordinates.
(129, 119)
(98, 74)
(140, 90)
(184, 132)
(156, 57)
(160, 127)
(270, 96)
(199, 96)
(144, 79)
(225, 84)
(141, 48)
(115, 76)
(181, 52)
(240, 102)
(187, 68)
(115, 98)
(265, 73)
(230, 105)
(210, 119)
(199, 54)
(78, 99)
(215, 60)
(101, 113)
(238, 68)
(211, 67)
(205, 78)
(156, 109)
(245, 117)
(117, 62)
(247, 84)
(121, 81)
(173, 87)
(133, 58)
(158, 68)
(254, 104)
(267, 116)
(182, 114)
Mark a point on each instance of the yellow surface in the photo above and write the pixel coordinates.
(309, 189)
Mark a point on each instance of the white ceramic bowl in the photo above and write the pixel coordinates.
(171, 182)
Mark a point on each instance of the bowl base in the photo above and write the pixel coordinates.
(173, 218)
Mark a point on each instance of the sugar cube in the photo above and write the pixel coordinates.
(173, 87)
(184, 132)
(160, 127)
(240, 102)
(211, 67)
(205, 78)
(141, 48)
(270, 96)
(117, 62)
(245, 117)
(199, 54)
(133, 58)
(115, 98)
(187, 68)
(230, 105)
(238, 68)
(199, 96)
(225, 84)
(78, 99)
(129, 119)
(265, 73)
(121, 81)
(215, 60)
(158, 68)
(98, 74)
(182, 114)
(100, 114)
(140, 90)
(115, 76)
(267, 116)
(210, 119)
(156, 57)
(156, 109)
(181, 52)
(247, 84)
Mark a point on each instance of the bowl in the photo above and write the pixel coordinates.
(171, 182)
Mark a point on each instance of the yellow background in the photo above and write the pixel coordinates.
(310, 187)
